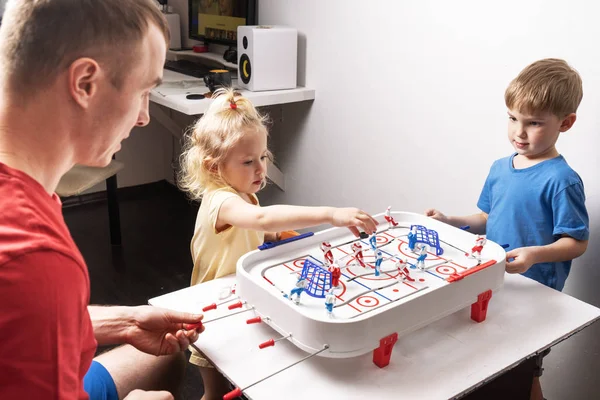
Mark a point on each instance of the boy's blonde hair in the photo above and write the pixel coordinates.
(40, 38)
(228, 118)
(549, 85)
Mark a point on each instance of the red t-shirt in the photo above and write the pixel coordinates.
(46, 337)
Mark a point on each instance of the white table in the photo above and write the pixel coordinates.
(446, 359)
(172, 95)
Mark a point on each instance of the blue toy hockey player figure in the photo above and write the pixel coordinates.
(373, 241)
(300, 286)
(412, 238)
(378, 262)
(330, 301)
(422, 257)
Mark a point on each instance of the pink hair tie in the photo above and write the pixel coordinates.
(233, 105)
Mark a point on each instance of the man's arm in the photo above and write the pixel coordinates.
(110, 323)
(45, 334)
(152, 330)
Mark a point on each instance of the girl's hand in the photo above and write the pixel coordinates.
(354, 219)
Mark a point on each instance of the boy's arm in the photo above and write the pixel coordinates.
(564, 249)
(236, 212)
(477, 222)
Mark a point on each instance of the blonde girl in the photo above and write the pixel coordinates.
(224, 165)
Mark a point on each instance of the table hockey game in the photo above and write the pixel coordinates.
(375, 299)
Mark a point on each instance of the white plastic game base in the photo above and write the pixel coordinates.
(370, 311)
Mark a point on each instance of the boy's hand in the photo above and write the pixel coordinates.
(435, 214)
(354, 219)
(524, 258)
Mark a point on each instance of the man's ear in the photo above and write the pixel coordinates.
(568, 122)
(84, 74)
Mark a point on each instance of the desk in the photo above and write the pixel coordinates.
(172, 95)
(447, 359)
(176, 86)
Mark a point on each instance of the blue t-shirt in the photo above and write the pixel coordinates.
(533, 207)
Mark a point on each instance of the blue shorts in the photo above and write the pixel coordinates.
(98, 383)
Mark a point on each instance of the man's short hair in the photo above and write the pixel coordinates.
(548, 85)
(40, 38)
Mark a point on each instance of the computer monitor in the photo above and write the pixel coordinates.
(216, 21)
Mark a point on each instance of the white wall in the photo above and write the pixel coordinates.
(409, 107)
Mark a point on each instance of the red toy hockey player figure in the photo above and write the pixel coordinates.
(388, 217)
(358, 255)
(403, 273)
(476, 250)
(336, 274)
(326, 249)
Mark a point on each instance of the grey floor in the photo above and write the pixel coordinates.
(157, 224)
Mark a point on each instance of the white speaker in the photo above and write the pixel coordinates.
(267, 57)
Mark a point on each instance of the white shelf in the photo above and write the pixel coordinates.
(176, 87)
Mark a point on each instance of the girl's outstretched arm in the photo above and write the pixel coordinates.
(237, 212)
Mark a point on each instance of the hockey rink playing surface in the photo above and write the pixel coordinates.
(360, 291)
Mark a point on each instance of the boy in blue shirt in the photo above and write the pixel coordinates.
(533, 200)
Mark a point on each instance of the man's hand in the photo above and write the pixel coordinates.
(524, 258)
(143, 395)
(354, 219)
(159, 331)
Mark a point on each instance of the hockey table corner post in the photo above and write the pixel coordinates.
(382, 354)
(480, 307)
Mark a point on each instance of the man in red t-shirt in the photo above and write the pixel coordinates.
(75, 78)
